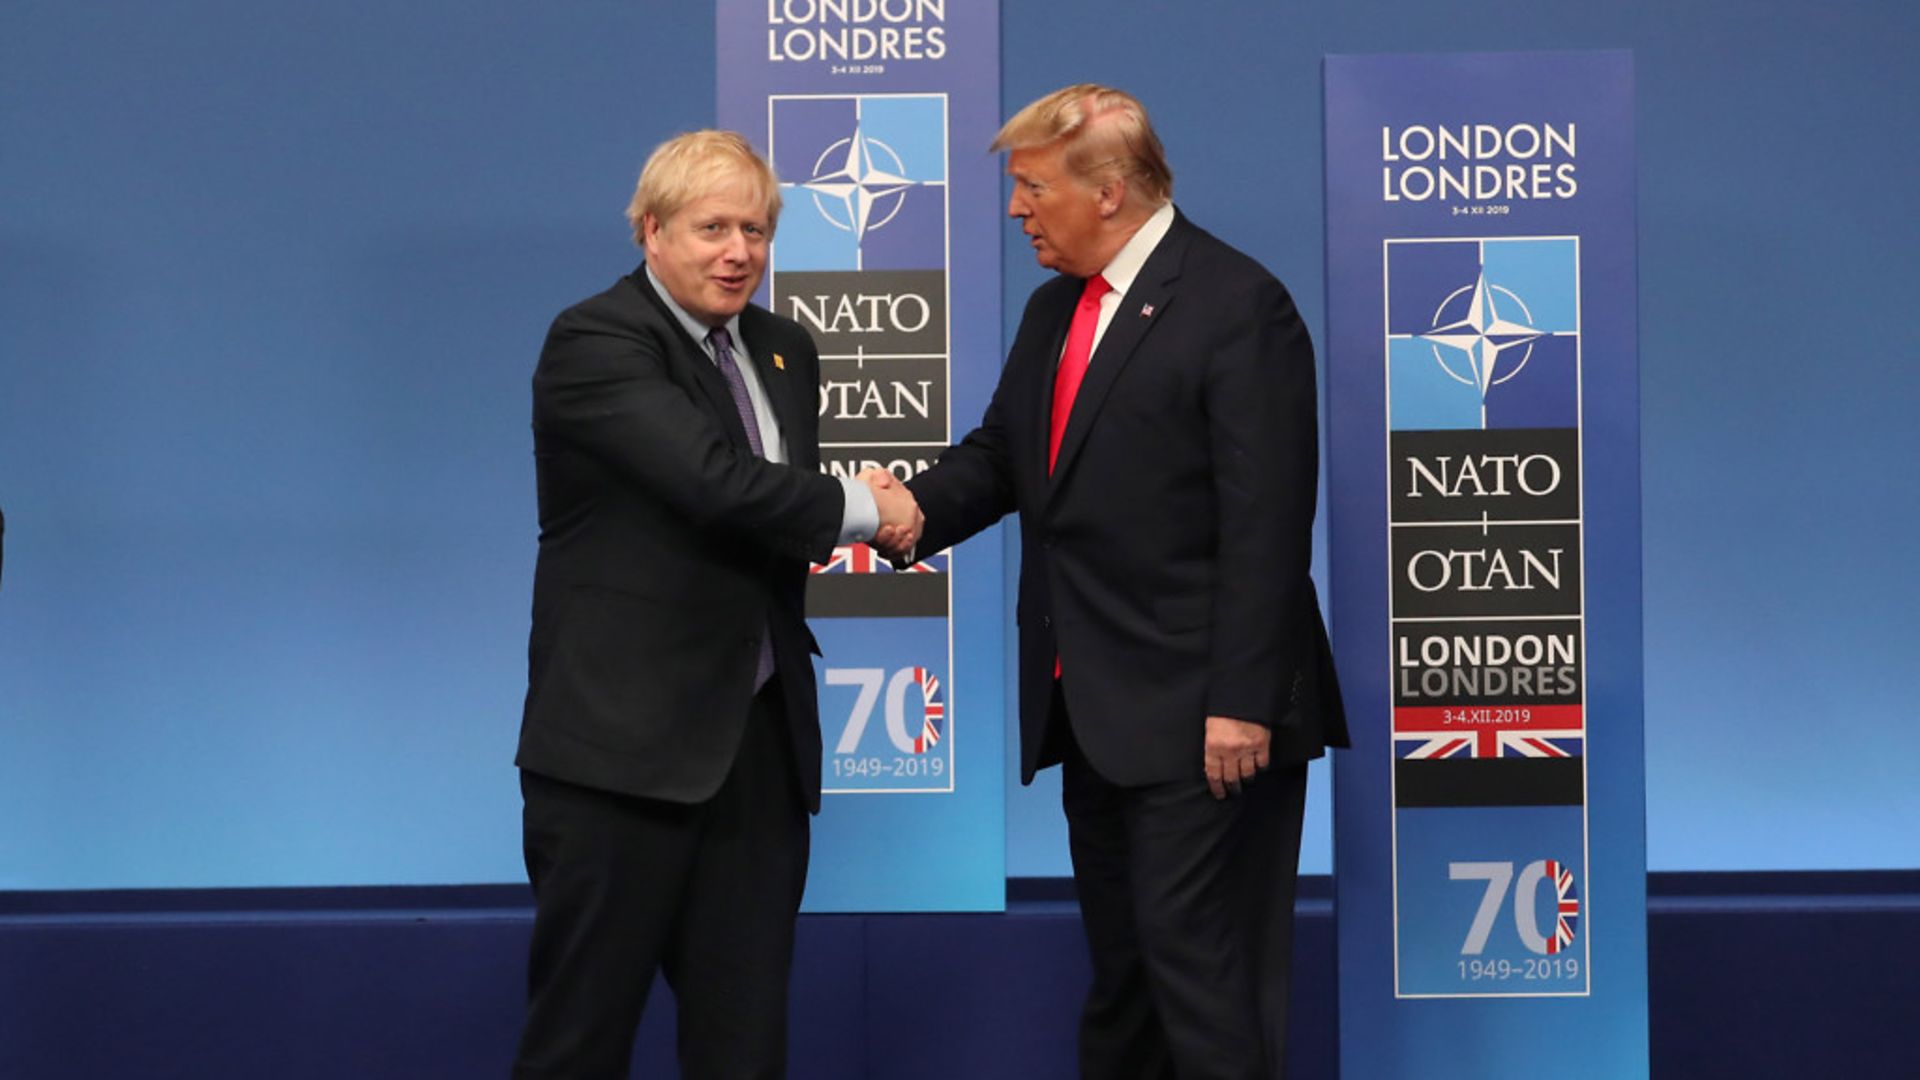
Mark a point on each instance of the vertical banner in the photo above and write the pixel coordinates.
(876, 114)
(1484, 476)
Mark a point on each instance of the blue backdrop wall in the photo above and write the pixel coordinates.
(273, 278)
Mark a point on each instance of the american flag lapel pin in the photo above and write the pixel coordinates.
(1146, 311)
(779, 362)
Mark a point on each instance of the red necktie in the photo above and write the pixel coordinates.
(1072, 370)
(1073, 362)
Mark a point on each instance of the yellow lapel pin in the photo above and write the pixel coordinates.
(779, 362)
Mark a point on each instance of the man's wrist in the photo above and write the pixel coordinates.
(861, 517)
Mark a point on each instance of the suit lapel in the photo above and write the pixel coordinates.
(1146, 301)
(781, 387)
(1045, 367)
(694, 355)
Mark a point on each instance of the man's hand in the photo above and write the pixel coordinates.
(1236, 751)
(900, 519)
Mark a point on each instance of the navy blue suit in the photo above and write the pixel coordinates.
(666, 798)
(1164, 563)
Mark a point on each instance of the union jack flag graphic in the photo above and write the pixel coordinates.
(1567, 907)
(1495, 743)
(1502, 731)
(861, 559)
(933, 716)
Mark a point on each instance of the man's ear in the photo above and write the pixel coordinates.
(1111, 196)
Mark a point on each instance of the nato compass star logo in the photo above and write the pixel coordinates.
(858, 184)
(867, 176)
(1476, 346)
(1465, 350)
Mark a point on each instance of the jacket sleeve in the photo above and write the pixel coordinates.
(971, 485)
(606, 388)
(1264, 441)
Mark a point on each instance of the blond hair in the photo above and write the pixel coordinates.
(1104, 133)
(691, 166)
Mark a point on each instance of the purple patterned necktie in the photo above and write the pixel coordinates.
(737, 386)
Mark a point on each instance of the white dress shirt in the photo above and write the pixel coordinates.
(1126, 266)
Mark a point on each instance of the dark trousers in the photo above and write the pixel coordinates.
(625, 886)
(1187, 903)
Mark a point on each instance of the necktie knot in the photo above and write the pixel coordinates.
(1095, 288)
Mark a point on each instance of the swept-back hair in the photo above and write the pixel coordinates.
(1105, 134)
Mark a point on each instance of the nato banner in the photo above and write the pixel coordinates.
(877, 114)
(1485, 492)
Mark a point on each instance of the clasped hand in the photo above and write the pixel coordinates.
(900, 519)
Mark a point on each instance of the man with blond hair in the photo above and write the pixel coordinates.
(670, 745)
(1155, 429)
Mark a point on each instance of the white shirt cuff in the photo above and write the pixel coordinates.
(861, 518)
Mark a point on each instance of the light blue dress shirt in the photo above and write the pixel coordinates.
(860, 518)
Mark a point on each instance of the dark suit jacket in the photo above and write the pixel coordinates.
(667, 549)
(1165, 560)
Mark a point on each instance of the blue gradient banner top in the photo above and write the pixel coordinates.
(1483, 386)
(877, 117)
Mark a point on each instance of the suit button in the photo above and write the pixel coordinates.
(1046, 622)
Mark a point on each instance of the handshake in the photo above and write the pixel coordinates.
(900, 519)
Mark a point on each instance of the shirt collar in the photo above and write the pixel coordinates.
(1133, 255)
(696, 329)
